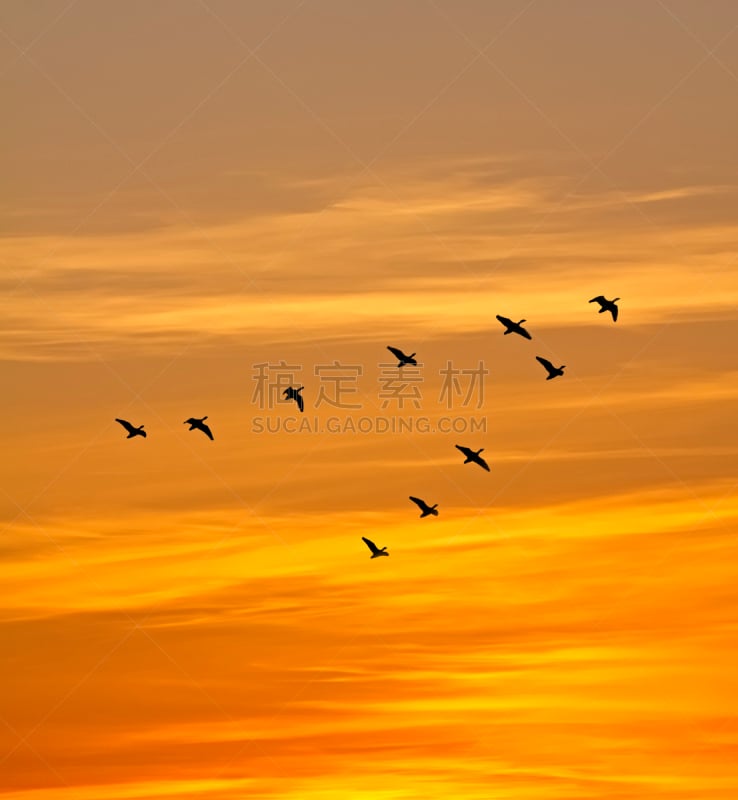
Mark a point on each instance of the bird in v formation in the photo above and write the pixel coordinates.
(294, 394)
(199, 424)
(424, 507)
(401, 357)
(553, 372)
(607, 305)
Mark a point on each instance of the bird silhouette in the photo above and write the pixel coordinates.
(294, 394)
(514, 327)
(401, 357)
(553, 372)
(132, 429)
(473, 455)
(424, 507)
(376, 551)
(607, 305)
(194, 422)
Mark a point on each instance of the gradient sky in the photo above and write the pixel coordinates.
(193, 187)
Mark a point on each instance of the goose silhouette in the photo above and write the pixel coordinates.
(514, 327)
(553, 372)
(401, 357)
(294, 394)
(424, 507)
(200, 425)
(473, 455)
(607, 305)
(132, 429)
(376, 551)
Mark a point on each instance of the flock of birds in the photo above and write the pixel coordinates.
(471, 456)
(193, 422)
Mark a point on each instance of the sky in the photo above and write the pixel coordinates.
(201, 192)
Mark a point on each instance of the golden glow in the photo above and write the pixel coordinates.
(192, 619)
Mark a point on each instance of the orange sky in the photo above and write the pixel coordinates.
(194, 187)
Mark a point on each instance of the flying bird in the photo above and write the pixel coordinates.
(424, 507)
(401, 357)
(473, 455)
(607, 305)
(376, 551)
(194, 422)
(553, 372)
(294, 394)
(132, 429)
(514, 327)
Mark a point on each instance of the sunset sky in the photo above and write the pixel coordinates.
(192, 188)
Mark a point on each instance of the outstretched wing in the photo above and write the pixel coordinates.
(504, 320)
(206, 430)
(521, 330)
(370, 544)
(300, 401)
(546, 363)
(465, 450)
(599, 299)
(421, 504)
(482, 463)
(127, 425)
(614, 311)
(397, 353)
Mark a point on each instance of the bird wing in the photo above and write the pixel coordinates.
(206, 430)
(127, 425)
(398, 353)
(420, 503)
(614, 311)
(465, 450)
(546, 363)
(370, 544)
(523, 332)
(504, 320)
(482, 463)
(599, 299)
(300, 401)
